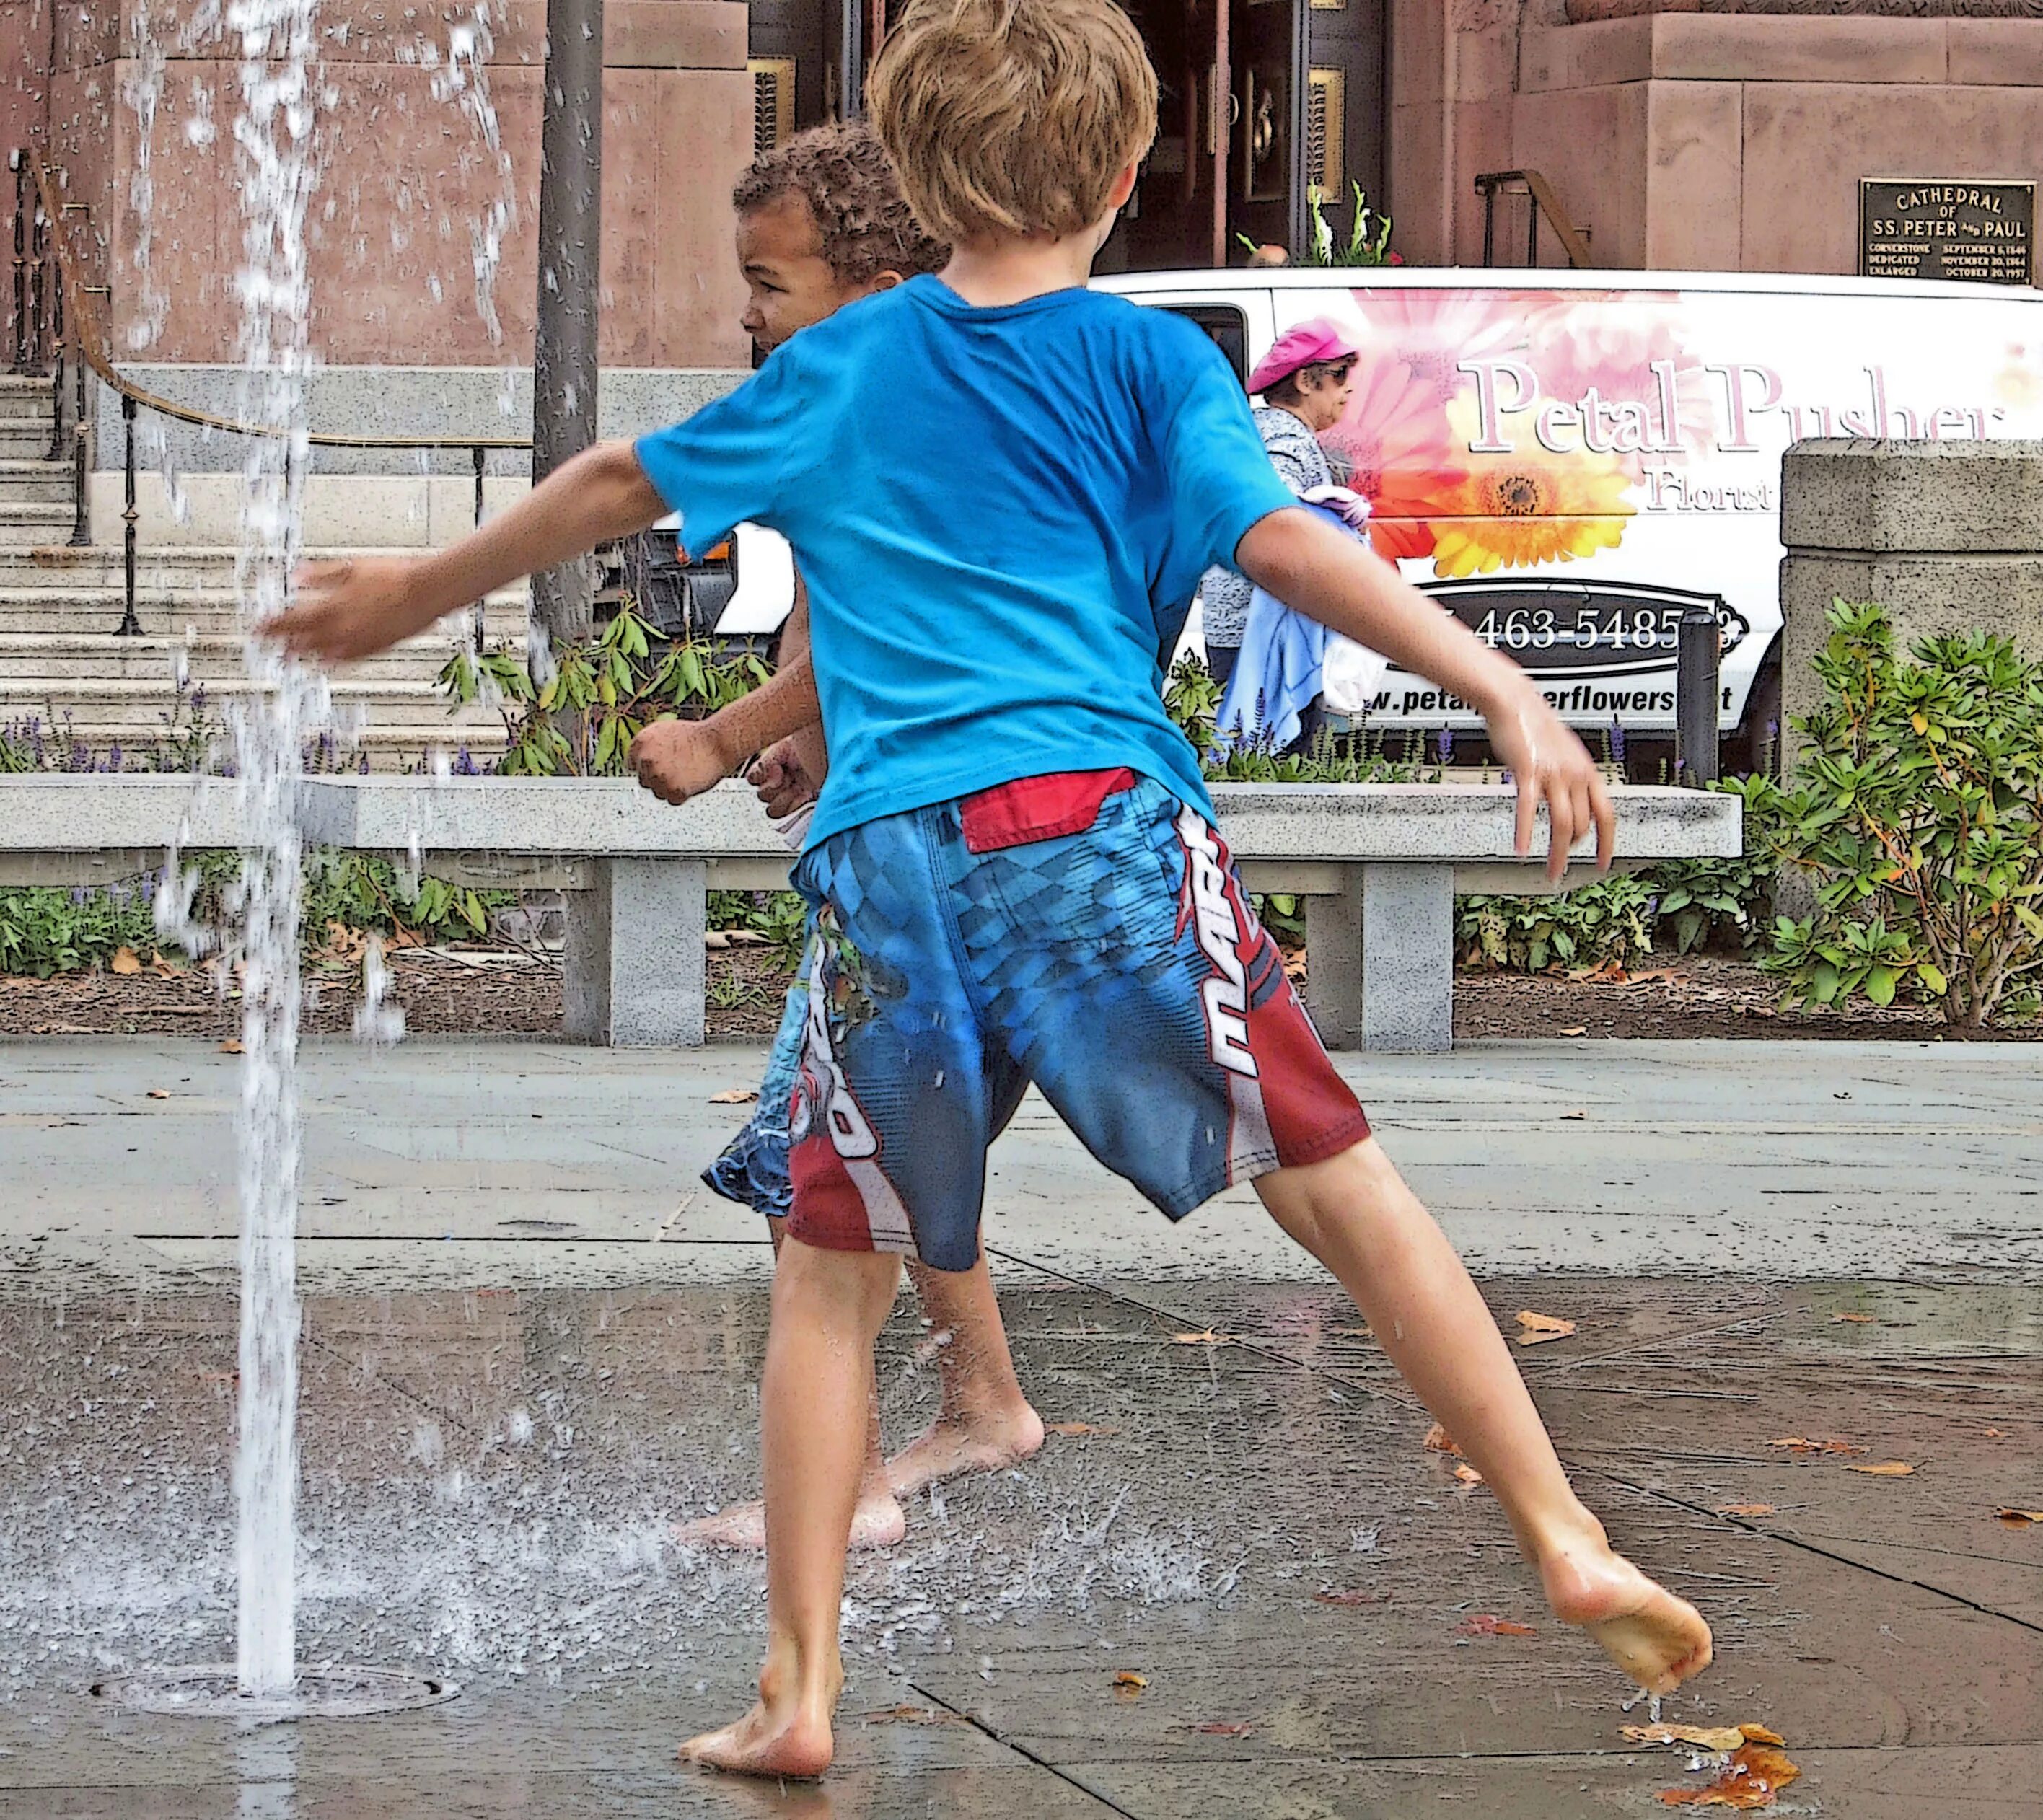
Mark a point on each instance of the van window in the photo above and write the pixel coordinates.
(1227, 326)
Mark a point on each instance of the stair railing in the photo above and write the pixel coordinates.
(1540, 200)
(59, 322)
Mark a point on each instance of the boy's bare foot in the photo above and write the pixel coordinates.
(877, 1522)
(786, 1733)
(964, 1444)
(1656, 1639)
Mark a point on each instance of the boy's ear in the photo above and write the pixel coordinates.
(1124, 184)
(886, 280)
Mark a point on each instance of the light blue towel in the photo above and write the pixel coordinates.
(1280, 672)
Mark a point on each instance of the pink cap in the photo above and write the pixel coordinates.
(1319, 339)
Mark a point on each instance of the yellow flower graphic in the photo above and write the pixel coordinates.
(1527, 507)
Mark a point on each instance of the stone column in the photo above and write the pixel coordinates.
(1947, 537)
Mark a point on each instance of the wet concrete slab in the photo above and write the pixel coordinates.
(1254, 1527)
(531, 1343)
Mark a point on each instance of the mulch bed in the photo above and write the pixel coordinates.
(460, 991)
(455, 991)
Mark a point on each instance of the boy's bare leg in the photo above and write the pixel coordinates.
(984, 1422)
(877, 1522)
(1355, 1214)
(828, 1308)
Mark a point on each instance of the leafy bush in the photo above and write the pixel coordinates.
(581, 720)
(1610, 921)
(1919, 813)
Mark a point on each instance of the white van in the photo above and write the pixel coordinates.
(1566, 464)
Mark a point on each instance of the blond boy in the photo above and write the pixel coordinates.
(997, 483)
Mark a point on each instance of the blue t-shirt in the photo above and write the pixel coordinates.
(1001, 514)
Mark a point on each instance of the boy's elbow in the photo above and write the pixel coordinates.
(1273, 548)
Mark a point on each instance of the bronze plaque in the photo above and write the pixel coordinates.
(1935, 228)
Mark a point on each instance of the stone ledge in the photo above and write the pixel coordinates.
(1960, 496)
(1777, 48)
(1417, 823)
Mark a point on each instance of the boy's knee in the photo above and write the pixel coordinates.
(1302, 1199)
(857, 1285)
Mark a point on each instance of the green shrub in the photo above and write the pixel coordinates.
(581, 721)
(1919, 814)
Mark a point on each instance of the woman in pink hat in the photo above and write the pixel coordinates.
(1305, 380)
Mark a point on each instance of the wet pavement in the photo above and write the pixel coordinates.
(527, 1351)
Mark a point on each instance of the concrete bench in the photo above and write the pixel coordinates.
(1379, 866)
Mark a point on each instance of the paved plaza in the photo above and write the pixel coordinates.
(532, 1343)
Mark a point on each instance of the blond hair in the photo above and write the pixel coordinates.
(1007, 117)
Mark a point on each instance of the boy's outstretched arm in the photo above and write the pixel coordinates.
(356, 607)
(1346, 586)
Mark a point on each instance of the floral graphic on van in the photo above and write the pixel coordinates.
(1519, 510)
(1489, 431)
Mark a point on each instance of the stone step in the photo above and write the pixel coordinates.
(24, 398)
(161, 658)
(26, 438)
(393, 701)
(23, 480)
(54, 561)
(399, 749)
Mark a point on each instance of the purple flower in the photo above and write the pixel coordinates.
(1444, 745)
(465, 764)
(1616, 740)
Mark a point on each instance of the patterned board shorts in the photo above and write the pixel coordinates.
(1117, 965)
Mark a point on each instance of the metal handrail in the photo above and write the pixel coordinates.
(59, 314)
(1542, 201)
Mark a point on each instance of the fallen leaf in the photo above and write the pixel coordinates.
(1208, 1338)
(1438, 1441)
(1801, 1444)
(1353, 1596)
(1077, 1428)
(1539, 1328)
(1126, 1681)
(1746, 1510)
(745, 938)
(2018, 1519)
(715, 938)
(1576, 1030)
(1718, 1738)
(1856, 1320)
(1488, 1624)
(1753, 1778)
(125, 960)
(1354, 1333)
(1580, 1111)
(1886, 1469)
(231, 1047)
(734, 1097)
(1467, 1474)
(913, 1716)
(1225, 1728)
(1994, 1434)
(1759, 1734)
(159, 1092)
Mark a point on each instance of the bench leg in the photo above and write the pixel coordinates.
(1407, 977)
(1333, 971)
(633, 963)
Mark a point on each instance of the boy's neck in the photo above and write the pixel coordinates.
(988, 274)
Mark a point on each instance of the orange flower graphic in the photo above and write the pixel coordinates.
(1527, 507)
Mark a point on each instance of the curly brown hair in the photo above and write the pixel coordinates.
(843, 173)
